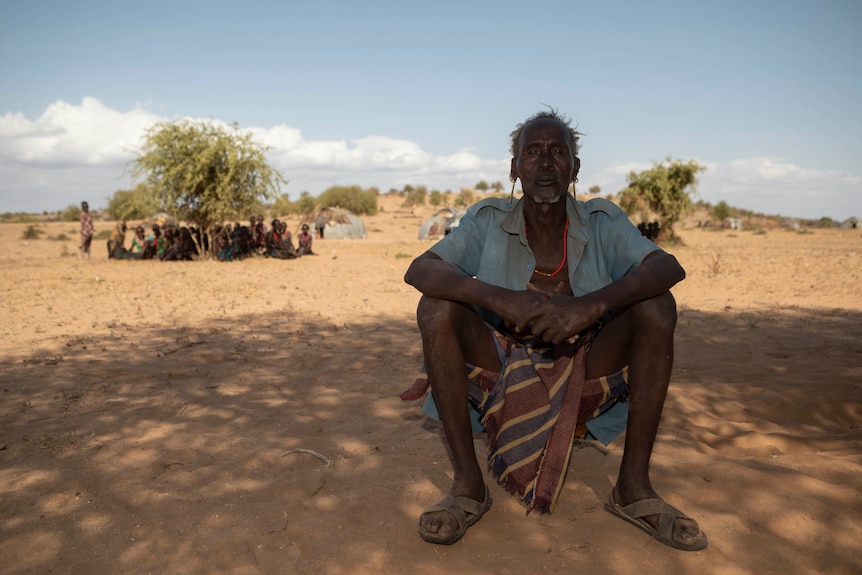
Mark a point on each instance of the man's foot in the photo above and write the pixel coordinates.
(416, 391)
(447, 522)
(664, 522)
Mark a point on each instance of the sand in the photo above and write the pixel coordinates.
(153, 416)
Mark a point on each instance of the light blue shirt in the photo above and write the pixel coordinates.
(490, 244)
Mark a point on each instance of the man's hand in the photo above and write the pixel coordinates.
(559, 316)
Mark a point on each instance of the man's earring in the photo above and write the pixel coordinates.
(512, 179)
(575, 179)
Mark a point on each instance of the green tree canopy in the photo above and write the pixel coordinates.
(204, 173)
(665, 189)
(435, 198)
(72, 213)
(416, 197)
(138, 203)
(721, 210)
(351, 198)
(482, 186)
(465, 198)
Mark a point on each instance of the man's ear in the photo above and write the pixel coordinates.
(577, 168)
(513, 171)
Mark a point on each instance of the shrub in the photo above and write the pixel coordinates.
(351, 198)
(32, 233)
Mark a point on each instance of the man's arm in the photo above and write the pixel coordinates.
(562, 317)
(436, 278)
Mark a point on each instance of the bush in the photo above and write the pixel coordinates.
(72, 213)
(465, 198)
(721, 211)
(17, 218)
(32, 233)
(352, 198)
(139, 203)
(415, 197)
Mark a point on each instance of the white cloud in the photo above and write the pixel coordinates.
(76, 152)
(68, 135)
(774, 186)
(762, 185)
(79, 151)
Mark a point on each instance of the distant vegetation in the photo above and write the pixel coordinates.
(664, 190)
(72, 213)
(31, 232)
(139, 203)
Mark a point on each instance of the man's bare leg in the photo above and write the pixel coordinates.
(453, 333)
(643, 335)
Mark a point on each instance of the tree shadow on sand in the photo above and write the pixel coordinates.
(204, 449)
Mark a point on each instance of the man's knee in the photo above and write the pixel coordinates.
(432, 311)
(658, 313)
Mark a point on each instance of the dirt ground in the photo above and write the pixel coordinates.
(153, 416)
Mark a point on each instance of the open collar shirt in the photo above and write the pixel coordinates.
(490, 244)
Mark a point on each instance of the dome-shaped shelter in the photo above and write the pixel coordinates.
(440, 224)
(336, 223)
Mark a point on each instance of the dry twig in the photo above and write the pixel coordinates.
(320, 456)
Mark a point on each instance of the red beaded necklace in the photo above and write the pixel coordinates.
(565, 252)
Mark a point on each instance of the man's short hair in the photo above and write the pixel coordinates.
(550, 114)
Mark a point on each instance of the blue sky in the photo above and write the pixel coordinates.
(765, 94)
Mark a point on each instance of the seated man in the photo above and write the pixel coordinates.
(117, 241)
(183, 248)
(530, 309)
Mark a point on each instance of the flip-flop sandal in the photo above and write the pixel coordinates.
(635, 513)
(466, 512)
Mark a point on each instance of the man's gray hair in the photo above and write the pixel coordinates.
(551, 114)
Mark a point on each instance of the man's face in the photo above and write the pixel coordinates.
(545, 163)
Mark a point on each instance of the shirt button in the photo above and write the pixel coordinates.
(530, 267)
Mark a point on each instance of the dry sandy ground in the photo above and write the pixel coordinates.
(148, 413)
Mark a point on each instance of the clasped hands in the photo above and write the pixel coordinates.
(553, 316)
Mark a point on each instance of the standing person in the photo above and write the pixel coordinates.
(535, 310)
(86, 230)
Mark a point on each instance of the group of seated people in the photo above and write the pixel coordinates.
(239, 241)
(172, 244)
(229, 242)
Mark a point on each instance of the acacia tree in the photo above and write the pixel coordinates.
(136, 204)
(203, 173)
(665, 189)
(415, 198)
(721, 210)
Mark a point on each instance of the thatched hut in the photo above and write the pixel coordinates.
(850, 224)
(440, 224)
(336, 223)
